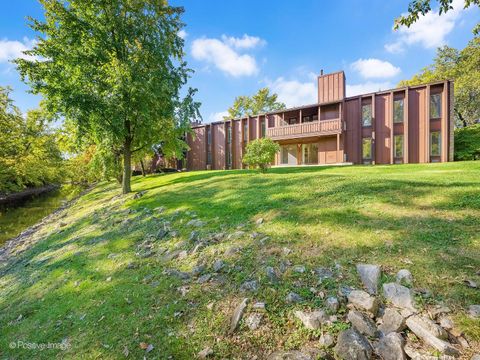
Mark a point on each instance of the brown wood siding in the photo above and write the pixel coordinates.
(331, 87)
(197, 156)
(383, 141)
(218, 137)
(237, 143)
(353, 131)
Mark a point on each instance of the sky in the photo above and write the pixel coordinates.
(238, 47)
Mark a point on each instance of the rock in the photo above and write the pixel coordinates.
(288, 355)
(470, 283)
(362, 301)
(332, 304)
(204, 278)
(474, 311)
(250, 285)
(299, 269)
(438, 310)
(139, 194)
(253, 321)
(198, 269)
(205, 353)
(180, 274)
(311, 320)
(399, 296)
(370, 276)
(362, 323)
(195, 223)
(430, 333)
(446, 323)
(392, 321)
(390, 347)
(160, 209)
(218, 265)
(351, 345)
(323, 274)
(293, 298)
(271, 274)
(236, 235)
(237, 315)
(259, 221)
(404, 277)
(193, 236)
(287, 251)
(326, 340)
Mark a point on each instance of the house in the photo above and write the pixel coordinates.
(405, 125)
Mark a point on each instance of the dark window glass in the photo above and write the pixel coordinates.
(264, 130)
(209, 136)
(209, 158)
(229, 134)
(292, 121)
(367, 115)
(367, 148)
(245, 131)
(435, 143)
(398, 146)
(398, 111)
(435, 106)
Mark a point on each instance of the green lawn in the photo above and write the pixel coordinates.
(85, 284)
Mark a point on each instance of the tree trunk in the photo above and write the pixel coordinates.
(143, 167)
(127, 167)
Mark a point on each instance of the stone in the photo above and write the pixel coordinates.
(236, 235)
(323, 274)
(404, 277)
(205, 353)
(237, 315)
(218, 265)
(326, 340)
(332, 304)
(293, 298)
(259, 221)
(160, 209)
(259, 306)
(390, 347)
(311, 320)
(288, 355)
(198, 270)
(271, 274)
(370, 276)
(161, 234)
(363, 301)
(204, 278)
(253, 320)
(351, 345)
(392, 321)
(195, 223)
(250, 285)
(399, 296)
(446, 323)
(193, 236)
(299, 269)
(362, 323)
(430, 333)
(474, 311)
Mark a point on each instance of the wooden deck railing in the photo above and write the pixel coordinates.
(315, 128)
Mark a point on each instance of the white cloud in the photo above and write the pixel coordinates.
(245, 42)
(375, 68)
(430, 31)
(183, 34)
(224, 55)
(294, 92)
(13, 49)
(367, 87)
(218, 116)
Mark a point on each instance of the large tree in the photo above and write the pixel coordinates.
(464, 67)
(115, 68)
(259, 103)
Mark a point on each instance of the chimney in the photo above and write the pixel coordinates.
(331, 87)
(321, 72)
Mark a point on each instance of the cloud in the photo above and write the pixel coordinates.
(429, 31)
(245, 42)
(218, 116)
(294, 92)
(183, 34)
(367, 87)
(375, 68)
(13, 49)
(224, 55)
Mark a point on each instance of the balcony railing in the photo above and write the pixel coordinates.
(315, 128)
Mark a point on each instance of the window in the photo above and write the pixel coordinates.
(292, 121)
(209, 157)
(307, 119)
(435, 143)
(398, 146)
(435, 106)
(229, 134)
(398, 111)
(263, 129)
(367, 115)
(314, 117)
(229, 158)
(245, 131)
(366, 148)
(310, 153)
(284, 155)
(209, 135)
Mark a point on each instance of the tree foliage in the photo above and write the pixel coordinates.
(29, 153)
(115, 69)
(422, 7)
(464, 67)
(467, 143)
(259, 103)
(260, 153)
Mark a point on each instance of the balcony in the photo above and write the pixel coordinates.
(310, 129)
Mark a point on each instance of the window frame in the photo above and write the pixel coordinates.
(371, 149)
(401, 120)
(439, 95)
(245, 131)
(371, 115)
(395, 155)
(439, 143)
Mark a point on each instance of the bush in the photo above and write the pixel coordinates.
(467, 143)
(261, 153)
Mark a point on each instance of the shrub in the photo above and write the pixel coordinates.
(260, 153)
(467, 143)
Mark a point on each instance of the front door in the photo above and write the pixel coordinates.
(288, 155)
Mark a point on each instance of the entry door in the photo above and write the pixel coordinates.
(289, 155)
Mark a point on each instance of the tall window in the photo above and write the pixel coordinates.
(229, 134)
(398, 146)
(209, 135)
(263, 129)
(435, 106)
(367, 149)
(398, 111)
(209, 157)
(435, 143)
(367, 115)
(245, 131)
(209, 147)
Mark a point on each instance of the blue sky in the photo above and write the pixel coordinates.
(237, 47)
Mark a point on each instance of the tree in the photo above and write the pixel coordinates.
(115, 68)
(467, 143)
(259, 103)
(260, 153)
(462, 66)
(422, 7)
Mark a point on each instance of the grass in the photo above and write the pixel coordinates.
(84, 284)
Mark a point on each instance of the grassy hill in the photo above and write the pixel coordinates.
(106, 277)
